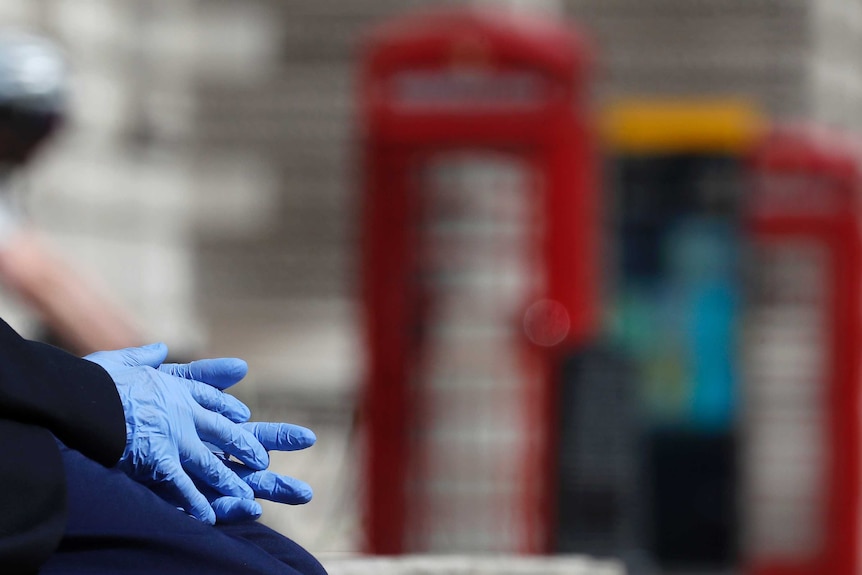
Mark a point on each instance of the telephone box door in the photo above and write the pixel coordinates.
(802, 346)
(479, 240)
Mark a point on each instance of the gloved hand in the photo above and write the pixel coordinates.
(266, 484)
(219, 373)
(167, 420)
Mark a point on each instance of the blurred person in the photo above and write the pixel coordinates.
(78, 313)
(118, 462)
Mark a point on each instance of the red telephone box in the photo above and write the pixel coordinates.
(479, 266)
(802, 344)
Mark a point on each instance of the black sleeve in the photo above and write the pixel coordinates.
(45, 391)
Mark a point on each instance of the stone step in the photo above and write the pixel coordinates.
(466, 565)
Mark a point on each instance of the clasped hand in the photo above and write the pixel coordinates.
(182, 429)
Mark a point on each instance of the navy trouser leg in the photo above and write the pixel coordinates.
(276, 545)
(118, 526)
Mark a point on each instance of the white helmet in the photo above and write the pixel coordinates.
(32, 94)
(32, 73)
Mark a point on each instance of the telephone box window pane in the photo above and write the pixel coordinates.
(478, 263)
(786, 369)
(677, 302)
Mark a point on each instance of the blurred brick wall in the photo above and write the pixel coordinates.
(114, 204)
(795, 58)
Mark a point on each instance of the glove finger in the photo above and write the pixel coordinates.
(220, 373)
(274, 487)
(218, 401)
(234, 510)
(281, 436)
(231, 438)
(201, 463)
(152, 355)
(178, 489)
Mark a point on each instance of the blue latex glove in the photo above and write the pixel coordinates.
(266, 484)
(167, 420)
(223, 373)
(219, 373)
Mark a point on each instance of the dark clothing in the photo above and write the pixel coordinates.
(119, 526)
(45, 392)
